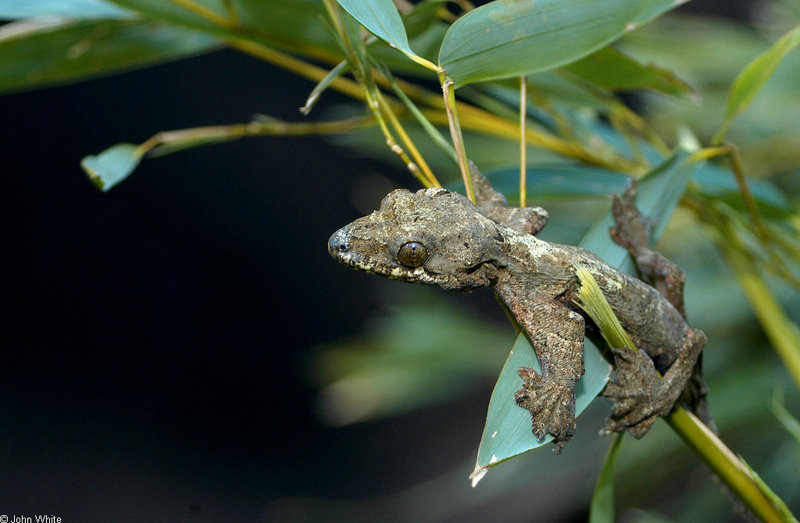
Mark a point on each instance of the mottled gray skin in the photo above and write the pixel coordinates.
(443, 239)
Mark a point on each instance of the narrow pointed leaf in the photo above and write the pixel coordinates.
(175, 13)
(380, 17)
(508, 432)
(559, 181)
(294, 26)
(503, 39)
(113, 165)
(614, 70)
(596, 306)
(602, 508)
(322, 86)
(789, 422)
(17, 9)
(508, 427)
(41, 52)
(752, 77)
(716, 182)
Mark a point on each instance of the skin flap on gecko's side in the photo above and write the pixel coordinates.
(438, 237)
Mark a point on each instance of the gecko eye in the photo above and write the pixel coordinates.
(412, 254)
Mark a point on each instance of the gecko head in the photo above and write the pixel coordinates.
(433, 236)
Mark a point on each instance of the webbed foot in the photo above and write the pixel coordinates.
(551, 404)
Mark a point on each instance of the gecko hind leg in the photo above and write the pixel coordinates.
(639, 395)
(632, 231)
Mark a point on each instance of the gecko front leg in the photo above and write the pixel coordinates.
(556, 333)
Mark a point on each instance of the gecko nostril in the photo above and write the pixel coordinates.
(338, 242)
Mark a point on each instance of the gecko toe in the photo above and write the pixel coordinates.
(552, 407)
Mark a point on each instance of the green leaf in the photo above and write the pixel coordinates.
(720, 184)
(175, 13)
(789, 422)
(508, 428)
(594, 303)
(602, 508)
(507, 432)
(322, 86)
(17, 9)
(380, 17)
(503, 39)
(294, 26)
(113, 165)
(37, 53)
(423, 17)
(614, 70)
(559, 181)
(753, 76)
(425, 30)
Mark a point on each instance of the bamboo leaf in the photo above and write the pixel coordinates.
(595, 304)
(559, 181)
(752, 77)
(508, 428)
(503, 39)
(789, 422)
(602, 507)
(113, 165)
(41, 52)
(550, 182)
(18, 9)
(294, 26)
(206, 17)
(718, 183)
(612, 69)
(380, 17)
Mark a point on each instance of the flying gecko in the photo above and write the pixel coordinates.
(439, 237)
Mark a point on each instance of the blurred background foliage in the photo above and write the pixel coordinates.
(423, 348)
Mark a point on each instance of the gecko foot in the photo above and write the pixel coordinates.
(551, 404)
(636, 393)
(639, 395)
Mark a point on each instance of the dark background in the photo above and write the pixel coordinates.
(156, 337)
